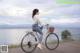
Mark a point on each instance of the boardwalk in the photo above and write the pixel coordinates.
(67, 47)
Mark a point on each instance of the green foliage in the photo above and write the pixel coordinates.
(66, 34)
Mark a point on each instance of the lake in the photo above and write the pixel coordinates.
(14, 36)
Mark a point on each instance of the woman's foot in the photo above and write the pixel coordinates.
(40, 46)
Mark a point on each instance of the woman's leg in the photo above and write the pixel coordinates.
(38, 29)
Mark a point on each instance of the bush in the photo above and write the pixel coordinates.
(65, 35)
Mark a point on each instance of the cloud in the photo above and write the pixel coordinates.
(65, 21)
(65, 10)
(18, 11)
(16, 20)
(15, 7)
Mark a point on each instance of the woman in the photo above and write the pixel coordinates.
(37, 26)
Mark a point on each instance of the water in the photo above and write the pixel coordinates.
(14, 36)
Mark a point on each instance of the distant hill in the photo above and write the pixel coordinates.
(29, 26)
(15, 26)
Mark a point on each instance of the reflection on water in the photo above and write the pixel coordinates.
(14, 36)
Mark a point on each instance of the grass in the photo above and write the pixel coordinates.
(13, 46)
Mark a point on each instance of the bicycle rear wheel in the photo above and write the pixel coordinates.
(28, 43)
(52, 41)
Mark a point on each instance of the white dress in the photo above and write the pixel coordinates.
(37, 20)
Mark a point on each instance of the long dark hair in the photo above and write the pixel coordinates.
(35, 11)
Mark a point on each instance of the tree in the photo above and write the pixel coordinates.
(66, 35)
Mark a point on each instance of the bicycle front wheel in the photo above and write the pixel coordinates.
(52, 41)
(28, 43)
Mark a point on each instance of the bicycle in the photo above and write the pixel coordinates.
(28, 42)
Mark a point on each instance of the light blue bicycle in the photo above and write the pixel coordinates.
(28, 42)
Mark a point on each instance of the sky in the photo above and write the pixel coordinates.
(58, 12)
(55, 12)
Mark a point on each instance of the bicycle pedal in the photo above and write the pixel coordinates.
(29, 44)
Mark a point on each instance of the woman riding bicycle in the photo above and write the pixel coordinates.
(29, 42)
(37, 26)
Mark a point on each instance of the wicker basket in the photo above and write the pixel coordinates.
(51, 29)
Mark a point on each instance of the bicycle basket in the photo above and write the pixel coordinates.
(51, 29)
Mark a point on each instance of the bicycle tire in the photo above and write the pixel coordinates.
(29, 33)
(56, 44)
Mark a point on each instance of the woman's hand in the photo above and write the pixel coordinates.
(47, 26)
